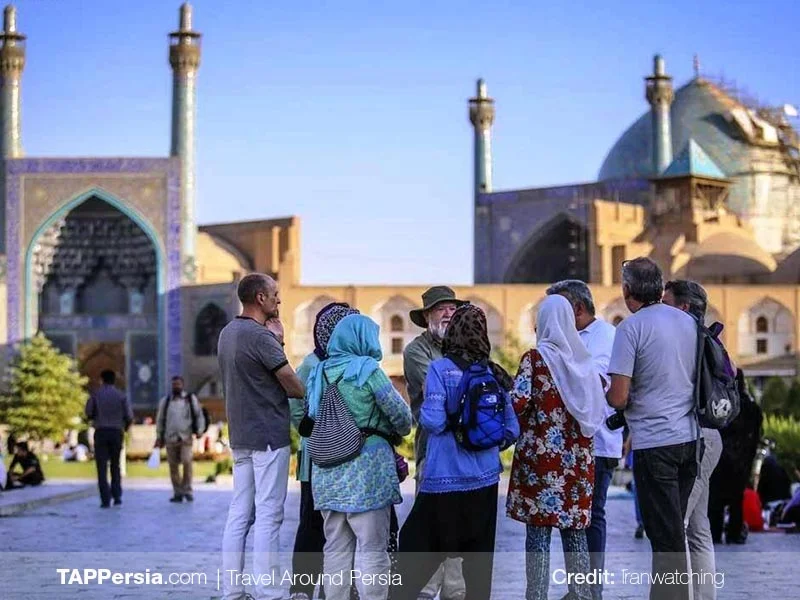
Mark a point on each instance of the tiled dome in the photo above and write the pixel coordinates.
(700, 111)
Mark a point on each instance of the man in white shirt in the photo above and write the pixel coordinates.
(598, 337)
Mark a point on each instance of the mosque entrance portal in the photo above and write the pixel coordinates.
(95, 272)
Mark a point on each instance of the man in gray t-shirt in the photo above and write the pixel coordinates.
(257, 381)
(256, 403)
(652, 372)
(656, 348)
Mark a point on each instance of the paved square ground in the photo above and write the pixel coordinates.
(150, 535)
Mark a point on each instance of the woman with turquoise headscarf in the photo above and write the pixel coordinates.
(310, 538)
(356, 497)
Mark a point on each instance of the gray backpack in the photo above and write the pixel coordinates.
(335, 439)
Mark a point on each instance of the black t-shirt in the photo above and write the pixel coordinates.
(26, 462)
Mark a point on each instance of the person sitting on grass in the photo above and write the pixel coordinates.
(31, 469)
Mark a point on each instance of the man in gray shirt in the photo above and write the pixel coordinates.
(111, 413)
(257, 381)
(652, 372)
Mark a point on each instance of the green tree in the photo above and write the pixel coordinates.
(44, 391)
(792, 406)
(774, 398)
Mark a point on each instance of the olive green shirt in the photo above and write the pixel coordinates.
(417, 357)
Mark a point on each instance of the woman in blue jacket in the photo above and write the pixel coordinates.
(455, 511)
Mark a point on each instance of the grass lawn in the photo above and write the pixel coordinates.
(55, 468)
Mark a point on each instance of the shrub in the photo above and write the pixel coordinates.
(773, 399)
(781, 400)
(510, 354)
(785, 432)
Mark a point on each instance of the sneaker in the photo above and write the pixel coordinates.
(104, 504)
(117, 501)
(189, 497)
(639, 534)
(176, 499)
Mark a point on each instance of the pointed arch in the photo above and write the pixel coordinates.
(207, 327)
(397, 330)
(165, 339)
(29, 320)
(766, 329)
(555, 250)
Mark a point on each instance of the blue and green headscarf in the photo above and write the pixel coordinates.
(355, 345)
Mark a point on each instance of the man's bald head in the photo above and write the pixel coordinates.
(254, 284)
(259, 293)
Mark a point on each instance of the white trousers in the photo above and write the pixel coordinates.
(260, 481)
(367, 531)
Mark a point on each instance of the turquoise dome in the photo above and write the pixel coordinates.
(699, 112)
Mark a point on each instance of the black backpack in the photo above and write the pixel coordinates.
(715, 390)
(195, 429)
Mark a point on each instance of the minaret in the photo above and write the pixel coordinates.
(481, 115)
(12, 62)
(659, 95)
(184, 57)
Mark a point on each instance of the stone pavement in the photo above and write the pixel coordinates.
(149, 535)
(16, 501)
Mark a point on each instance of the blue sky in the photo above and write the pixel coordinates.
(352, 115)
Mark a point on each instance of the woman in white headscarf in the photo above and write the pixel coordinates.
(560, 404)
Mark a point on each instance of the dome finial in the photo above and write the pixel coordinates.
(696, 65)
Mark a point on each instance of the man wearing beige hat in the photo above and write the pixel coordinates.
(438, 305)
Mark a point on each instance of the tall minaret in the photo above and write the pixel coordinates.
(12, 62)
(184, 57)
(659, 95)
(481, 115)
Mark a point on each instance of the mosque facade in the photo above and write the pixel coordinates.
(104, 255)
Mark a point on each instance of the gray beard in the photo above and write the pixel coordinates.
(437, 331)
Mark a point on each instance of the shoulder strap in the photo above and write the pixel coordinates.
(461, 389)
(701, 343)
(164, 412)
(192, 400)
(327, 381)
(701, 338)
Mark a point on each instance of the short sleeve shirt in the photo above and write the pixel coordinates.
(255, 402)
(656, 348)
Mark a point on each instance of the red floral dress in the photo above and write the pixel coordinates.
(552, 477)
